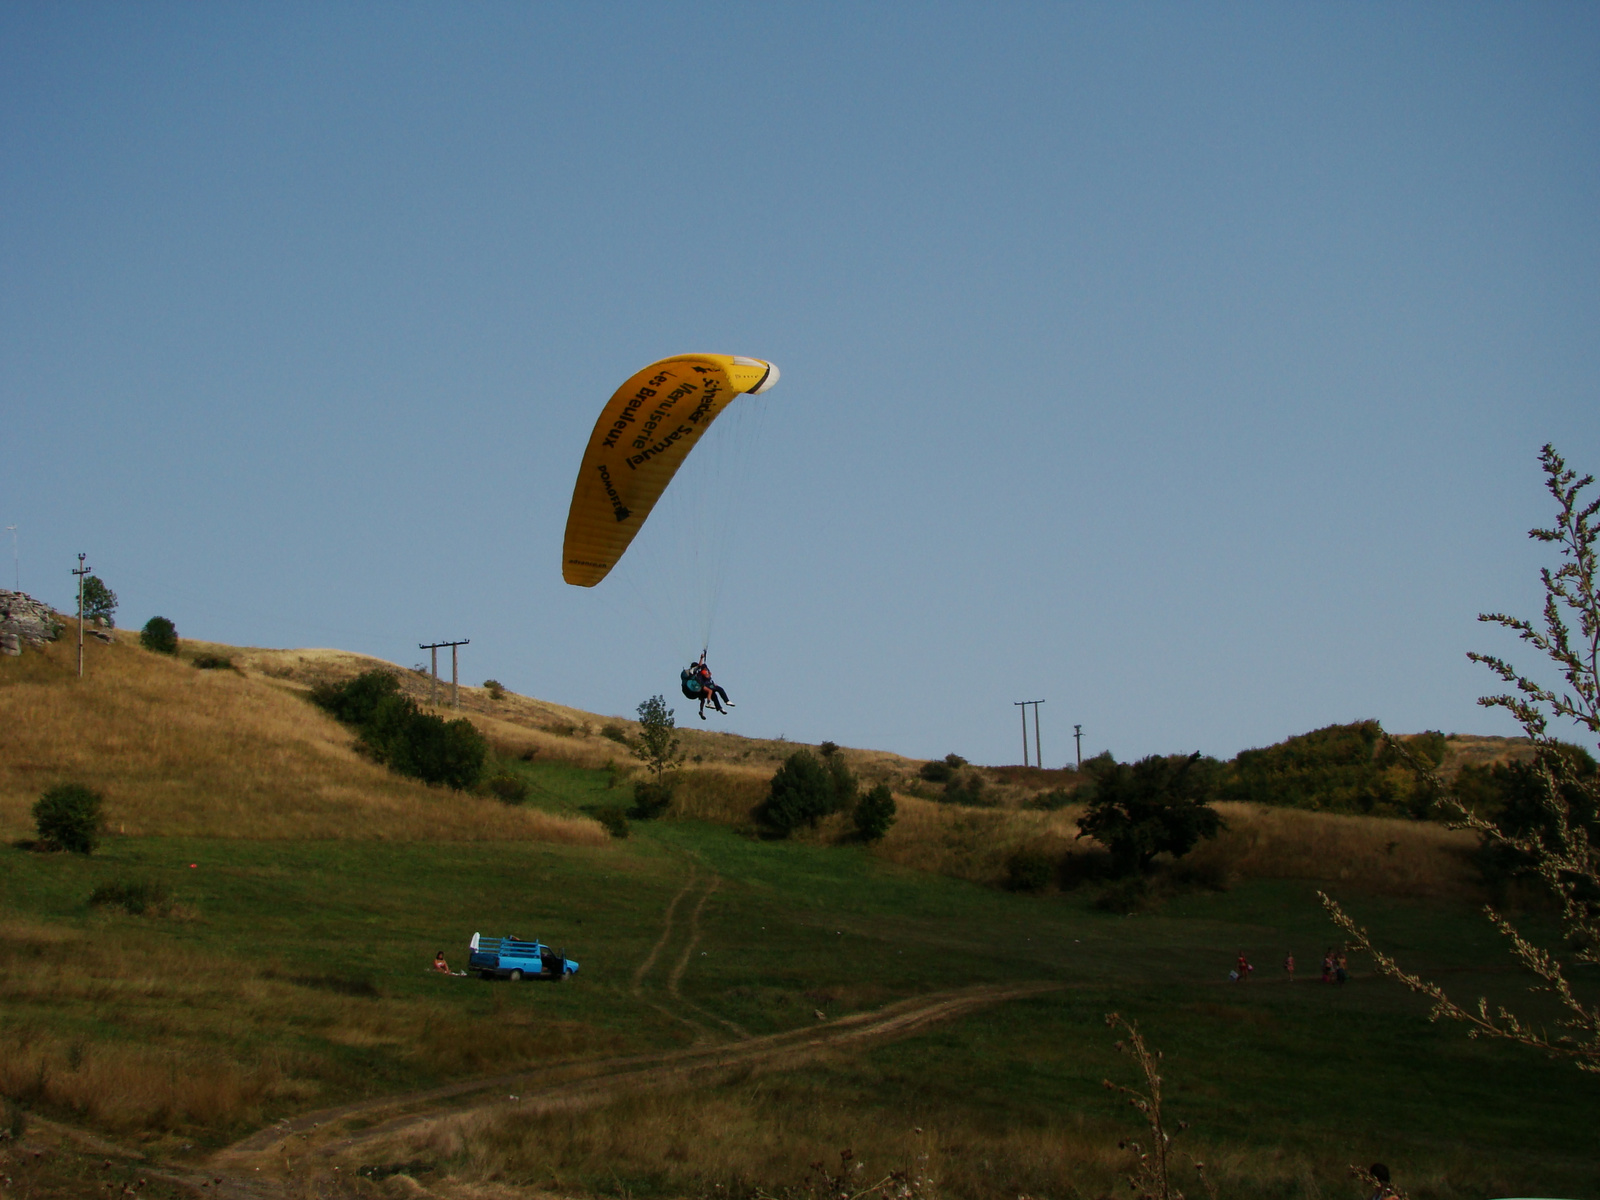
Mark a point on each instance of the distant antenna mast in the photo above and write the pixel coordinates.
(455, 687)
(80, 573)
(1037, 753)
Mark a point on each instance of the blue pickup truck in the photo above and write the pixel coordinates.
(511, 958)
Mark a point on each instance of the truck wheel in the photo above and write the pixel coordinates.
(516, 975)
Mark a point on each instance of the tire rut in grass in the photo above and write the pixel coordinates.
(581, 1084)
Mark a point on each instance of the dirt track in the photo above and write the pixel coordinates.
(581, 1084)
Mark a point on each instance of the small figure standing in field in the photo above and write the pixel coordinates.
(1327, 966)
(440, 965)
(1340, 967)
(1288, 966)
(1243, 968)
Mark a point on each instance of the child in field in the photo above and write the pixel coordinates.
(440, 965)
(1243, 968)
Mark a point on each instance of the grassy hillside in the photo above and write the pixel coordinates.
(288, 981)
(217, 753)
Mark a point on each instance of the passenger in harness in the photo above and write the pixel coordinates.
(698, 685)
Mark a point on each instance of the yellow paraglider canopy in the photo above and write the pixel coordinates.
(643, 435)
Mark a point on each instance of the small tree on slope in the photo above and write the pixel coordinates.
(1557, 849)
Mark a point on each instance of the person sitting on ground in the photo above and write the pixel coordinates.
(1244, 968)
(440, 965)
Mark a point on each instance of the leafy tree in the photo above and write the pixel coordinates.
(657, 746)
(160, 635)
(843, 788)
(874, 813)
(99, 601)
(1548, 821)
(965, 787)
(801, 793)
(68, 816)
(1154, 806)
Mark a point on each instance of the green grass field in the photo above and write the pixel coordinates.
(293, 976)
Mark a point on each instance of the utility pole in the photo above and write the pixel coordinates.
(1077, 736)
(1038, 754)
(455, 687)
(80, 573)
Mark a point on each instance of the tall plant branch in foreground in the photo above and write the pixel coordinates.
(1559, 848)
(1151, 1176)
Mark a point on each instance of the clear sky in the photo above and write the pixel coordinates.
(1182, 365)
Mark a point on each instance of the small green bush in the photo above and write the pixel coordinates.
(495, 688)
(616, 733)
(966, 787)
(936, 771)
(68, 817)
(614, 819)
(1051, 801)
(1029, 870)
(650, 799)
(213, 662)
(509, 789)
(829, 749)
(402, 736)
(874, 813)
(159, 635)
(133, 896)
(801, 793)
(1126, 896)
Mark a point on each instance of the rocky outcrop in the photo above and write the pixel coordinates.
(25, 622)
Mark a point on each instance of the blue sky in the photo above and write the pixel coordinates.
(1182, 365)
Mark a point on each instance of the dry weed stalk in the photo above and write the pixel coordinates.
(1151, 1177)
(1561, 853)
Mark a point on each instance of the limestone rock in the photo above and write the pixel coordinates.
(23, 617)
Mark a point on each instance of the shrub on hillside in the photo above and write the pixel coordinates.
(403, 737)
(1051, 801)
(1350, 768)
(874, 813)
(801, 793)
(356, 700)
(614, 819)
(68, 817)
(651, 798)
(936, 771)
(508, 788)
(1516, 797)
(213, 662)
(1029, 870)
(1154, 806)
(966, 787)
(160, 635)
(495, 688)
(616, 733)
(134, 896)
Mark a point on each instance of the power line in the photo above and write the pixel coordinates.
(455, 689)
(1038, 754)
(80, 573)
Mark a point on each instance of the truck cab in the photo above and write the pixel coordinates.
(512, 958)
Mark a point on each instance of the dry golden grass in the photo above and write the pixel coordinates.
(201, 1041)
(1378, 855)
(180, 751)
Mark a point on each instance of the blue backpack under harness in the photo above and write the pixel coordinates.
(691, 683)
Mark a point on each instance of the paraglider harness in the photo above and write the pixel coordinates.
(690, 678)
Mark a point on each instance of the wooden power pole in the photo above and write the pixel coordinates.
(80, 573)
(455, 685)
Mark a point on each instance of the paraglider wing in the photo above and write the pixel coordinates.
(643, 435)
